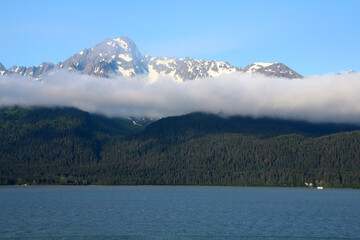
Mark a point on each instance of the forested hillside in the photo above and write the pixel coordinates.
(69, 146)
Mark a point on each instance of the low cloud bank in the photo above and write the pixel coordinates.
(330, 98)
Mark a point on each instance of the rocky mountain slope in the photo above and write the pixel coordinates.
(271, 69)
(34, 72)
(3, 70)
(183, 69)
(112, 56)
(120, 56)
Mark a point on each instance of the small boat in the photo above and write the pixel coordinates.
(320, 188)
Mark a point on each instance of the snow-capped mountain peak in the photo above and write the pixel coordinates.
(183, 69)
(122, 42)
(258, 65)
(120, 56)
(3, 70)
(111, 56)
(276, 69)
(32, 72)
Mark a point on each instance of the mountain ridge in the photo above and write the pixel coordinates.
(120, 56)
(70, 146)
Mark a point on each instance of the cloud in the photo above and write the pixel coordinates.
(329, 98)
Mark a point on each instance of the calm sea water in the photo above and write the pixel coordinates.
(184, 213)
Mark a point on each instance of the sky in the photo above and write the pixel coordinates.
(312, 37)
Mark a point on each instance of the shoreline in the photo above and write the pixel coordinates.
(163, 185)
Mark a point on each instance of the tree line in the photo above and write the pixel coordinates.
(69, 146)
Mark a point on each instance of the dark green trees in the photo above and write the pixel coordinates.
(69, 146)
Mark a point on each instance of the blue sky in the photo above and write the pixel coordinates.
(312, 37)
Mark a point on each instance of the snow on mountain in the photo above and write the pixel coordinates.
(120, 56)
(112, 56)
(272, 69)
(183, 69)
(3, 70)
(347, 72)
(142, 122)
(33, 72)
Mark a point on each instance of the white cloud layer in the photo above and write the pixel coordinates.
(330, 98)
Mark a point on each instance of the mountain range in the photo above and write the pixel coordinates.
(120, 56)
(69, 146)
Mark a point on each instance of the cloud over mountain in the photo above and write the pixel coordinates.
(330, 98)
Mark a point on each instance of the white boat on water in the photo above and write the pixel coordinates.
(320, 188)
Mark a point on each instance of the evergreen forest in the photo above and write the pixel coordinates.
(52, 146)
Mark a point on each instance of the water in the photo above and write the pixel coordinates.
(183, 213)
